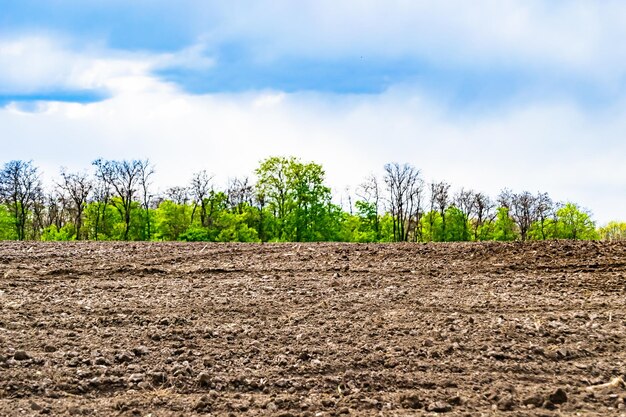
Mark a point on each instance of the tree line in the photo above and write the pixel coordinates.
(289, 201)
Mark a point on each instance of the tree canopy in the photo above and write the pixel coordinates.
(288, 200)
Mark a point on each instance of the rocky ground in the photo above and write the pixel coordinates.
(169, 329)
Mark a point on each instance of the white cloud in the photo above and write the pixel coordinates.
(555, 147)
(193, 57)
(35, 64)
(578, 37)
(569, 39)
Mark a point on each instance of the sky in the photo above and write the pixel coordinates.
(523, 94)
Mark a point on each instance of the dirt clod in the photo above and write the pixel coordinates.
(506, 404)
(135, 378)
(439, 407)
(558, 397)
(204, 379)
(535, 400)
(411, 401)
(171, 329)
(21, 355)
(124, 357)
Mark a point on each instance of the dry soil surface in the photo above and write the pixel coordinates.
(167, 329)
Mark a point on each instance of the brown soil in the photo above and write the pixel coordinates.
(164, 329)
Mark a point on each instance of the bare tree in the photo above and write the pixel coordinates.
(123, 177)
(101, 196)
(439, 200)
(415, 208)
(56, 210)
(432, 208)
(261, 200)
(347, 195)
(240, 192)
(544, 208)
(524, 212)
(178, 195)
(370, 191)
(20, 189)
(483, 212)
(200, 189)
(405, 197)
(522, 209)
(505, 198)
(146, 170)
(78, 186)
(38, 215)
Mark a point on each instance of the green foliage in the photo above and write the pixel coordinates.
(233, 227)
(298, 199)
(368, 229)
(504, 227)
(195, 234)
(52, 233)
(105, 222)
(539, 230)
(290, 202)
(7, 225)
(172, 220)
(100, 221)
(273, 188)
(432, 227)
(386, 228)
(146, 220)
(457, 229)
(486, 231)
(356, 229)
(573, 223)
(613, 231)
(349, 232)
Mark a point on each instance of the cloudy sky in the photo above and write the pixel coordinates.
(486, 94)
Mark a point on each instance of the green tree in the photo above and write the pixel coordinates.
(432, 227)
(20, 190)
(195, 233)
(457, 229)
(7, 225)
(574, 223)
(486, 231)
(362, 227)
(297, 198)
(311, 200)
(233, 227)
(172, 220)
(371, 194)
(77, 186)
(504, 226)
(613, 231)
(273, 185)
(53, 233)
(123, 177)
(216, 203)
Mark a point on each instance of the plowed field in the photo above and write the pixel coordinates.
(167, 329)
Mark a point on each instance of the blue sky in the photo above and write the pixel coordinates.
(486, 94)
